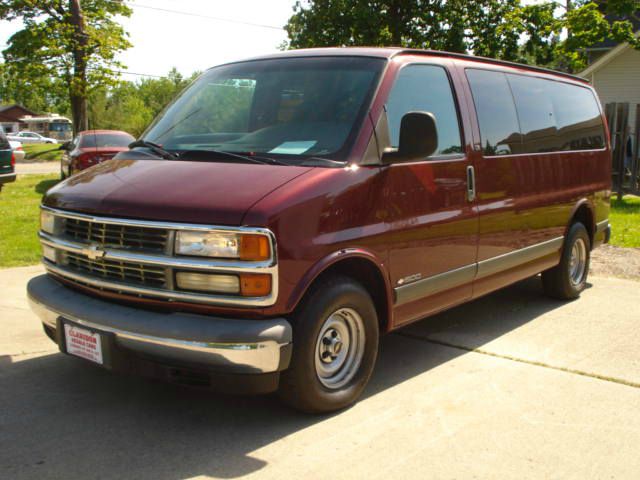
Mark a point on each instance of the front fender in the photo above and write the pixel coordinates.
(334, 259)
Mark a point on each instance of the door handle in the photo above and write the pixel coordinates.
(471, 184)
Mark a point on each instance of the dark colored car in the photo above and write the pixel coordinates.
(7, 160)
(285, 211)
(91, 147)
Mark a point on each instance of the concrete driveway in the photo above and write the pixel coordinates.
(510, 386)
(39, 168)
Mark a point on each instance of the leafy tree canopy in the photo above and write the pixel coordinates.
(59, 40)
(549, 33)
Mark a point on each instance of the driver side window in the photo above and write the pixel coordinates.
(425, 88)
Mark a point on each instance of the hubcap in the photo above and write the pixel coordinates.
(578, 262)
(339, 348)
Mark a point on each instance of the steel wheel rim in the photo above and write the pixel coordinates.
(339, 348)
(578, 262)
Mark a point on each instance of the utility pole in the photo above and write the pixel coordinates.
(78, 95)
(568, 8)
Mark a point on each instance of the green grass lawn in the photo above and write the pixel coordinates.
(19, 216)
(42, 152)
(19, 219)
(625, 222)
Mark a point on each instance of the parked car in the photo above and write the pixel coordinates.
(18, 151)
(7, 160)
(91, 147)
(31, 137)
(285, 211)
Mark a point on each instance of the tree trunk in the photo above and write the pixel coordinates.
(394, 24)
(78, 86)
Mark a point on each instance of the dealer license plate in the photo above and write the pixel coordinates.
(83, 343)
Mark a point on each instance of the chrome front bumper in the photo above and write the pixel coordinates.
(220, 344)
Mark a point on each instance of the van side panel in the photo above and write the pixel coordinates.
(525, 200)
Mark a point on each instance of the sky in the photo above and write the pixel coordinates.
(199, 39)
(162, 40)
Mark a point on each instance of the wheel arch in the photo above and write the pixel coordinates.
(360, 265)
(584, 212)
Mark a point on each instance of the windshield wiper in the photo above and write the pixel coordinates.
(155, 148)
(321, 162)
(205, 155)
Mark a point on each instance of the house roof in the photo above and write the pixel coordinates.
(606, 58)
(9, 106)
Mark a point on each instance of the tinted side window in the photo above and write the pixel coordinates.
(499, 128)
(425, 88)
(536, 113)
(577, 117)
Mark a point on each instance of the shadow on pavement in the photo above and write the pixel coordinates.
(63, 418)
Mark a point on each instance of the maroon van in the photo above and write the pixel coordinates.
(287, 210)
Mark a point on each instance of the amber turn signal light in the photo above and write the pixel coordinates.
(254, 247)
(255, 284)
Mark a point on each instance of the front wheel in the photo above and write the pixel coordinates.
(569, 277)
(335, 345)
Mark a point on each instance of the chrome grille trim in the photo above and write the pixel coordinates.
(152, 292)
(140, 274)
(189, 263)
(116, 236)
(156, 261)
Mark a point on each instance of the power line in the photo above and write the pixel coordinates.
(220, 19)
(123, 72)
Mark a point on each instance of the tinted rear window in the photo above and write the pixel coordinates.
(499, 128)
(551, 116)
(105, 140)
(578, 117)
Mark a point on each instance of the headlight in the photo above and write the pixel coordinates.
(243, 246)
(47, 222)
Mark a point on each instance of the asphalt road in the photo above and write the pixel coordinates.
(510, 386)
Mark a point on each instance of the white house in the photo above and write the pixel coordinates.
(615, 75)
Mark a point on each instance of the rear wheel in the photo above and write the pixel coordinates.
(335, 345)
(569, 277)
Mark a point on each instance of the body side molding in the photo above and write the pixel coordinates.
(455, 278)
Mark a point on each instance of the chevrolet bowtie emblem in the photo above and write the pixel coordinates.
(93, 252)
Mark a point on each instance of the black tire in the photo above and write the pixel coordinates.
(300, 385)
(558, 282)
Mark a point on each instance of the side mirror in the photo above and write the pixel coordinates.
(65, 146)
(418, 138)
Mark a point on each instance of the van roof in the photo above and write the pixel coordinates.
(390, 52)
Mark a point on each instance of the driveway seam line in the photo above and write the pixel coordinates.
(534, 363)
(22, 354)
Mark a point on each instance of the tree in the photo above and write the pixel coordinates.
(40, 94)
(551, 33)
(486, 27)
(131, 106)
(63, 40)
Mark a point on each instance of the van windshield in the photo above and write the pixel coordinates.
(291, 108)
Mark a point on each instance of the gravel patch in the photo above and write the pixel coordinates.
(610, 261)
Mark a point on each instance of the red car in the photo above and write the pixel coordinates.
(91, 147)
(286, 211)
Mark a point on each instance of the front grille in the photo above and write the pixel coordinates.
(125, 272)
(116, 236)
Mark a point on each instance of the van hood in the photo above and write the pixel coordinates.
(174, 191)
